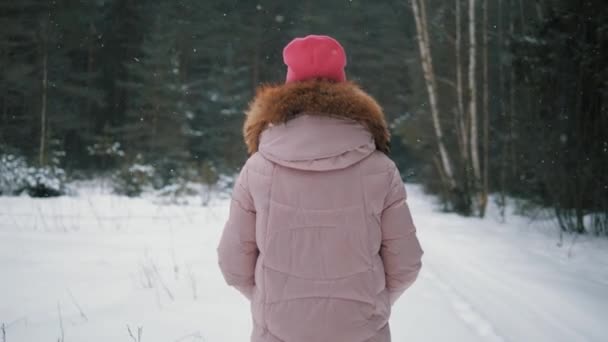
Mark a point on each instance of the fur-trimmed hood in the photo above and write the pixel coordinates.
(275, 105)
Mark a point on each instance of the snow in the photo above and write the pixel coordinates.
(16, 176)
(97, 263)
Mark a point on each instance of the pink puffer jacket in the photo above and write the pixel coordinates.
(319, 237)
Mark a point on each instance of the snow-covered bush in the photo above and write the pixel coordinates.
(16, 177)
(48, 181)
(178, 193)
(186, 183)
(133, 180)
(107, 153)
(106, 148)
(13, 173)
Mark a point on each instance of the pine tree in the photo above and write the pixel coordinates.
(155, 111)
(41, 50)
(565, 64)
(19, 72)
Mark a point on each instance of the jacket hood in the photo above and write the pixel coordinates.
(347, 114)
(316, 143)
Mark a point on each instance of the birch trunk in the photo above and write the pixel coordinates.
(460, 122)
(429, 76)
(473, 97)
(43, 105)
(503, 113)
(511, 90)
(486, 114)
(90, 69)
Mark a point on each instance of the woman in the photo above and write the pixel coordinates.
(319, 237)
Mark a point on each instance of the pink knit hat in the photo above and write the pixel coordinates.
(314, 57)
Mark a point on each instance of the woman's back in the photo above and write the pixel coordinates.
(319, 237)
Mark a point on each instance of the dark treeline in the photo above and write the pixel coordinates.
(520, 98)
(507, 98)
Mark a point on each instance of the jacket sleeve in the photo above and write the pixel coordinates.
(237, 250)
(400, 250)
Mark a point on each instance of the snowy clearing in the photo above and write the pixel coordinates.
(91, 268)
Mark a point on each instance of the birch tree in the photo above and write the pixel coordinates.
(419, 10)
(460, 114)
(503, 113)
(44, 38)
(473, 89)
(486, 118)
(473, 129)
(511, 113)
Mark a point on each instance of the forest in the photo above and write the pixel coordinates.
(487, 100)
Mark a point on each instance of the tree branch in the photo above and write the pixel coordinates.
(446, 81)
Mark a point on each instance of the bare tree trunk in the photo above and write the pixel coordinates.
(90, 68)
(503, 111)
(43, 109)
(486, 114)
(4, 118)
(429, 76)
(4, 101)
(443, 180)
(539, 10)
(473, 99)
(511, 91)
(460, 122)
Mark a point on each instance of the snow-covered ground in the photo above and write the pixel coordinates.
(92, 267)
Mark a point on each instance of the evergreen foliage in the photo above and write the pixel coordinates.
(103, 86)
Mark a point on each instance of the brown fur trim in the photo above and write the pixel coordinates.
(279, 103)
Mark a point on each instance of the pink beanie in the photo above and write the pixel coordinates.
(314, 57)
